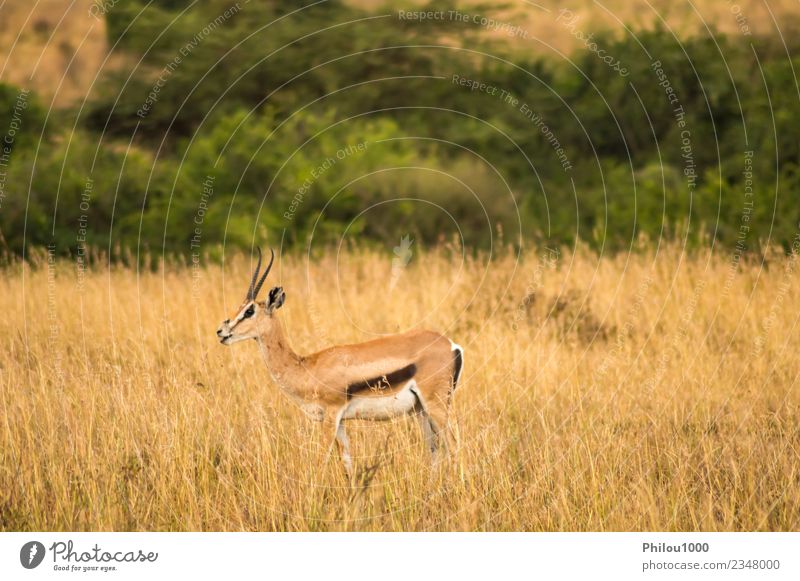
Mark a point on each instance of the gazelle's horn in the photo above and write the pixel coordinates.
(263, 276)
(251, 290)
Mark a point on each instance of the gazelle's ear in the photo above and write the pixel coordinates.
(276, 299)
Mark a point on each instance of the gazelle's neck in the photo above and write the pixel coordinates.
(283, 363)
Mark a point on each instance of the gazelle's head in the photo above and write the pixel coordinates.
(253, 318)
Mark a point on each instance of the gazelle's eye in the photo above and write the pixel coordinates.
(249, 312)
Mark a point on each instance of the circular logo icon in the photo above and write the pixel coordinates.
(31, 554)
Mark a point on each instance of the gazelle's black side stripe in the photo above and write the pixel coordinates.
(458, 365)
(384, 381)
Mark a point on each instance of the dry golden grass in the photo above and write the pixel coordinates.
(53, 47)
(621, 17)
(632, 392)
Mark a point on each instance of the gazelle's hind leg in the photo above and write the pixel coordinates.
(433, 421)
(438, 414)
(427, 429)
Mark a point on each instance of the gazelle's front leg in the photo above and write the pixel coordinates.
(338, 437)
(344, 448)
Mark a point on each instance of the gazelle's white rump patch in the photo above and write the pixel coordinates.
(384, 407)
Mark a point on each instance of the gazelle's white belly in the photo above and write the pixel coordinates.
(313, 411)
(381, 407)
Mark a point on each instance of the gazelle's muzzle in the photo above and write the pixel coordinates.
(224, 332)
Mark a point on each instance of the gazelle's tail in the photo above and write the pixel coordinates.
(458, 363)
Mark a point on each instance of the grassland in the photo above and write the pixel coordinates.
(642, 391)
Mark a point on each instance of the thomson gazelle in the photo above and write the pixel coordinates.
(409, 373)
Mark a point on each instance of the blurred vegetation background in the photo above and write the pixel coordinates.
(174, 126)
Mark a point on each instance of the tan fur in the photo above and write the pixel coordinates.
(319, 381)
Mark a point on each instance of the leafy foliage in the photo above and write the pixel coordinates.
(254, 99)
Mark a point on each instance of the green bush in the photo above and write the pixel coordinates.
(232, 138)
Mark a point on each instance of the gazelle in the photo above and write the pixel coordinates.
(410, 373)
